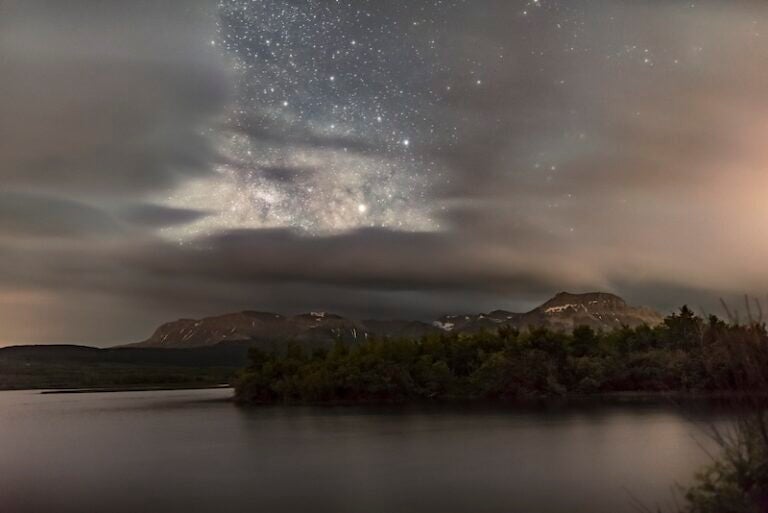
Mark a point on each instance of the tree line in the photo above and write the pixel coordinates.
(681, 354)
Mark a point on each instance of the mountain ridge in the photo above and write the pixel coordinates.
(563, 312)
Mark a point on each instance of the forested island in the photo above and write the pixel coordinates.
(683, 353)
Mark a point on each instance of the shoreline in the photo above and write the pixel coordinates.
(128, 389)
(532, 399)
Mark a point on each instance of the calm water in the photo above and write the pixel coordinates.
(189, 451)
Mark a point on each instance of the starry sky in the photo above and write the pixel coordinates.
(376, 159)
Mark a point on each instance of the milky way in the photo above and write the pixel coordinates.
(331, 128)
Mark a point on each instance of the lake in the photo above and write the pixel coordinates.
(191, 451)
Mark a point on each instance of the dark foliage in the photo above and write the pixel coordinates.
(682, 354)
(61, 366)
(737, 482)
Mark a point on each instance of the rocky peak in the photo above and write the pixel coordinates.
(588, 302)
(599, 310)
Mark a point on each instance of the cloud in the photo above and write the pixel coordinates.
(31, 216)
(91, 106)
(158, 216)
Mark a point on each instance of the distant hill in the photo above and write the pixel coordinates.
(68, 366)
(565, 311)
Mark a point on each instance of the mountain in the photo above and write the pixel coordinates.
(255, 326)
(598, 310)
(565, 311)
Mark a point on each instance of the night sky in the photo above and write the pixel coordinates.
(165, 159)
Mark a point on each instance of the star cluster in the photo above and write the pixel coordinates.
(331, 128)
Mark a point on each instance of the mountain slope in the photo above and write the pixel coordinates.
(565, 311)
(255, 326)
(598, 310)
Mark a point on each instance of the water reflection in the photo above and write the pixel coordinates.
(193, 451)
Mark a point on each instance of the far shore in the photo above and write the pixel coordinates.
(131, 389)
